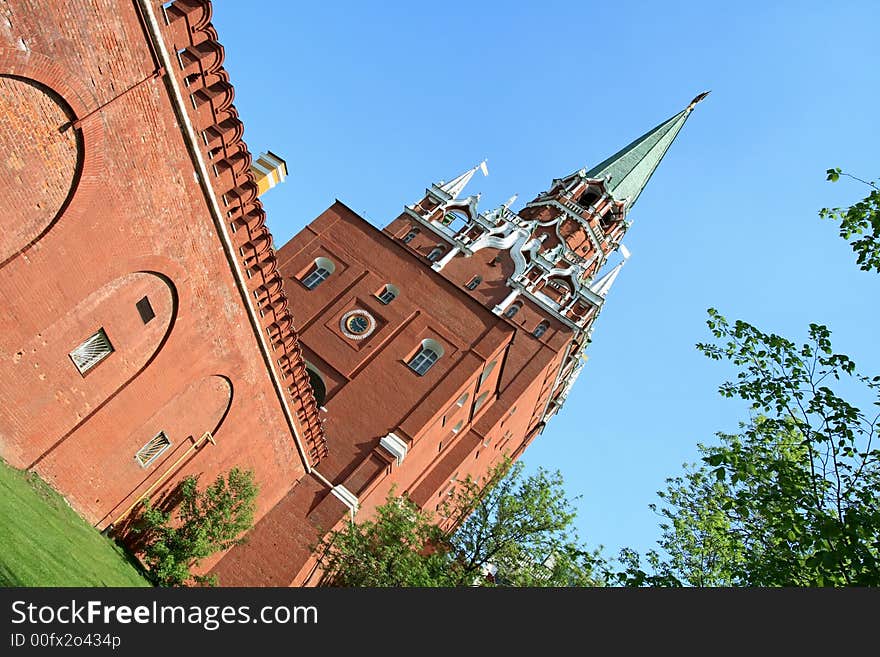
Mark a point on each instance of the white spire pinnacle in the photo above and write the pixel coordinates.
(506, 205)
(602, 286)
(455, 186)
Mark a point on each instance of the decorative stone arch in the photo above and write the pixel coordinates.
(564, 283)
(73, 101)
(590, 196)
(197, 408)
(38, 438)
(459, 213)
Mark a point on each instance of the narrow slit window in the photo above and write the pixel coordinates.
(152, 450)
(487, 372)
(145, 310)
(91, 352)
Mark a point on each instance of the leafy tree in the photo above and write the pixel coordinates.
(515, 530)
(399, 547)
(206, 522)
(521, 526)
(793, 499)
(860, 219)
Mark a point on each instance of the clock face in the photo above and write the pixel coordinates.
(357, 324)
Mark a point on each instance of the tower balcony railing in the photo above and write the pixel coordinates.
(575, 207)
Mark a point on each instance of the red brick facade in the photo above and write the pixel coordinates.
(105, 205)
(423, 353)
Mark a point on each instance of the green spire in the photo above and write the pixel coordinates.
(632, 167)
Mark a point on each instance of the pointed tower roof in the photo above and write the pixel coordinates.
(604, 284)
(455, 186)
(632, 167)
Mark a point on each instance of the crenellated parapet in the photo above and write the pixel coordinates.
(189, 34)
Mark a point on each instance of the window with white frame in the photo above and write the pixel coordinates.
(319, 273)
(92, 351)
(388, 293)
(426, 356)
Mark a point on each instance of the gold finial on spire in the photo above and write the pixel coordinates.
(697, 100)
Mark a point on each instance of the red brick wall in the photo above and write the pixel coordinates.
(40, 160)
(136, 223)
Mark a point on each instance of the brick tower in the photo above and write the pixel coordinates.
(444, 342)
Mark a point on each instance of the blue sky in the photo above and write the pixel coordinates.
(371, 102)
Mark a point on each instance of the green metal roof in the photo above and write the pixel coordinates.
(632, 167)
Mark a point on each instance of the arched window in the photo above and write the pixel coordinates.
(426, 356)
(321, 270)
(540, 329)
(456, 220)
(458, 426)
(607, 220)
(461, 400)
(388, 293)
(410, 236)
(512, 310)
(317, 383)
(436, 253)
(474, 282)
(588, 198)
(480, 401)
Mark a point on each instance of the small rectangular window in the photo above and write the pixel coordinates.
(91, 352)
(145, 309)
(151, 451)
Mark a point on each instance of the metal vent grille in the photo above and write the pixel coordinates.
(91, 352)
(151, 451)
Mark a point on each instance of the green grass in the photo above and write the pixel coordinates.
(43, 542)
